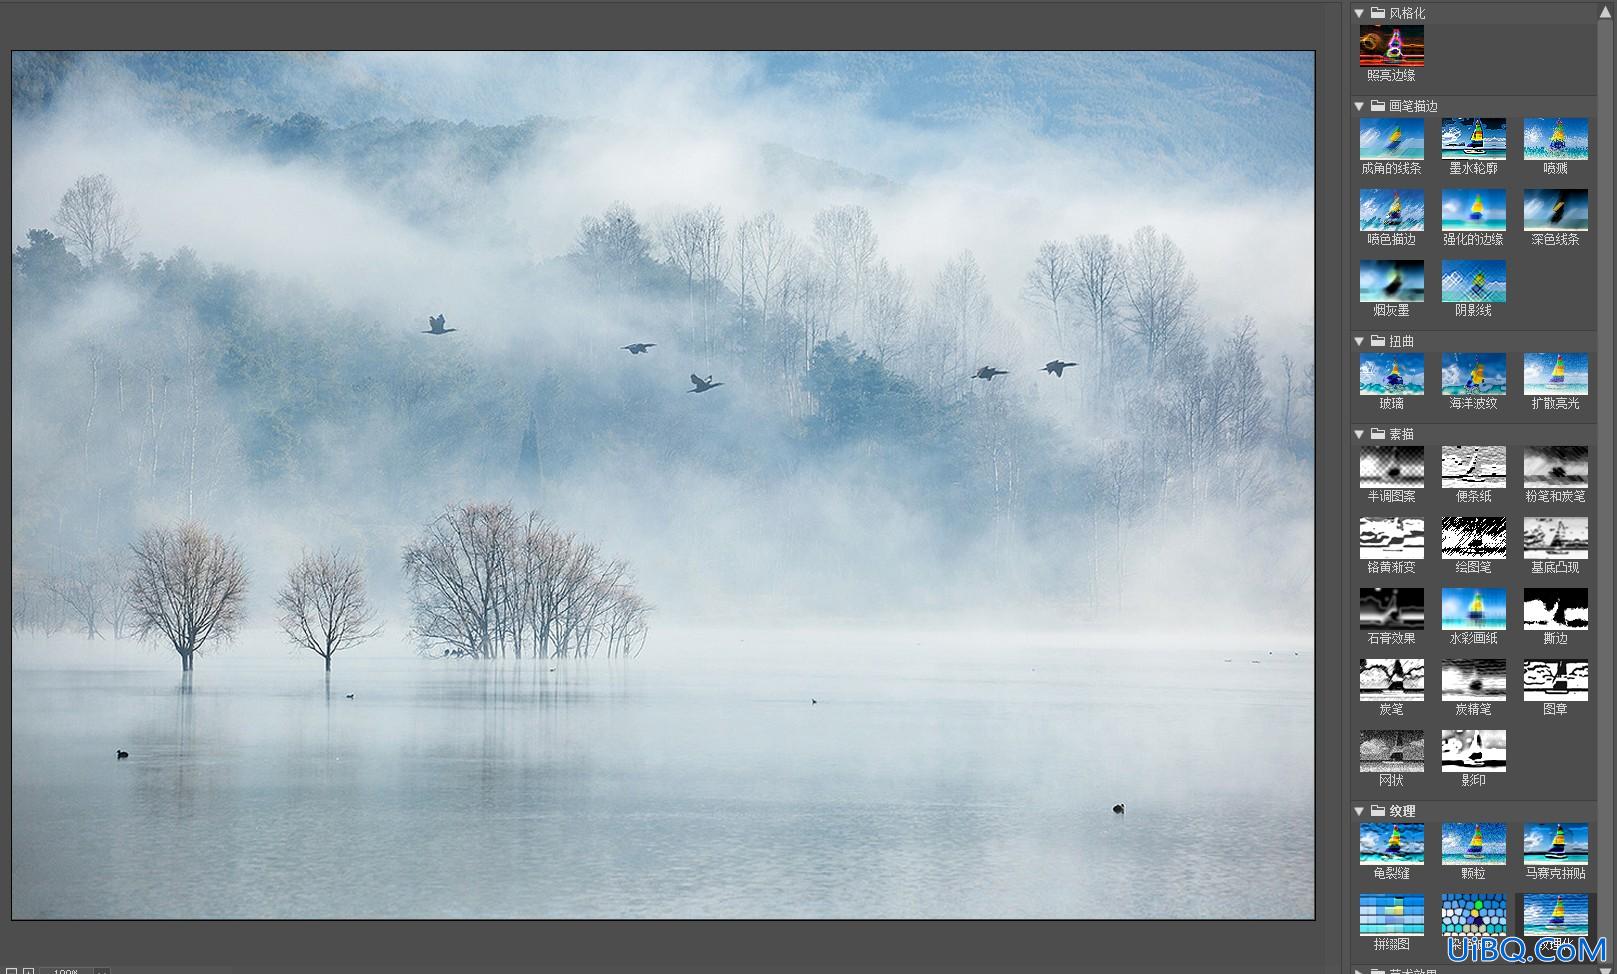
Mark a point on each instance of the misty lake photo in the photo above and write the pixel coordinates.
(850, 485)
(952, 787)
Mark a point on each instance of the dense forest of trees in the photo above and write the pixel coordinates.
(171, 387)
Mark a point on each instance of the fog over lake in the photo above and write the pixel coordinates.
(662, 485)
(973, 780)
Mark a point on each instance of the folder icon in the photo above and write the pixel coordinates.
(1377, 105)
(1378, 13)
(1378, 811)
(1377, 433)
(1378, 341)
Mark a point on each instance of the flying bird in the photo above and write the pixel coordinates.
(1117, 809)
(349, 696)
(1055, 366)
(988, 372)
(701, 384)
(436, 326)
(639, 348)
(122, 755)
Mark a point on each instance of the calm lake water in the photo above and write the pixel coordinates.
(935, 777)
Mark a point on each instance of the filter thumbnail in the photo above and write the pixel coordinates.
(1555, 139)
(1396, 678)
(1475, 914)
(1402, 210)
(1473, 679)
(1473, 466)
(1555, 467)
(1555, 915)
(1392, 608)
(1555, 373)
(1474, 843)
(1392, 374)
(1399, 843)
(1555, 209)
(1392, 466)
(1474, 138)
(1555, 843)
(1474, 209)
(1549, 680)
(1469, 749)
(1392, 280)
(1395, 538)
(1392, 915)
(1386, 137)
(1474, 608)
(1555, 536)
(1384, 750)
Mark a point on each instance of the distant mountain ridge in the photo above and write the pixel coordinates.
(1245, 116)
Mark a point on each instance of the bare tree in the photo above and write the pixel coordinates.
(1193, 402)
(1098, 287)
(1248, 416)
(34, 606)
(187, 586)
(713, 266)
(1050, 283)
(323, 605)
(119, 612)
(846, 240)
(1159, 288)
(763, 262)
(626, 621)
(93, 219)
(95, 354)
(1117, 493)
(456, 577)
(22, 602)
(963, 308)
(1288, 396)
(887, 312)
(681, 237)
(612, 247)
(483, 583)
(88, 590)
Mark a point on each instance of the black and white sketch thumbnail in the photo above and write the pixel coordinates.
(1555, 537)
(1392, 608)
(1475, 537)
(1474, 679)
(1474, 466)
(1394, 538)
(1398, 678)
(1555, 466)
(1469, 749)
(1555, 679)
(1392, 465)
(1555, 608)
(1387, 749)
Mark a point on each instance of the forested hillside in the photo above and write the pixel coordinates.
(849, 463)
